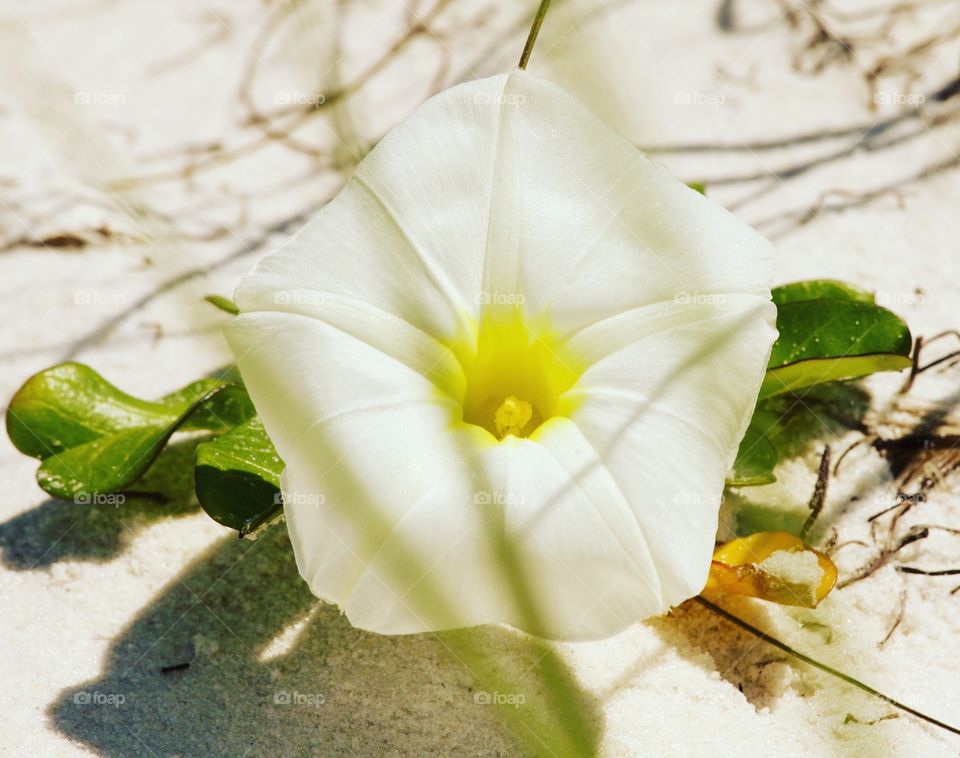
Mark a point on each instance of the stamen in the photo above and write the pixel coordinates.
(512, 416)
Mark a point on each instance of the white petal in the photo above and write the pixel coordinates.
(577, 541)
(573, 539)
(407, 233)
(667, 410)
(363, 436)
(583, 226)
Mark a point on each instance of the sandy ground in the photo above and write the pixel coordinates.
(97, 600)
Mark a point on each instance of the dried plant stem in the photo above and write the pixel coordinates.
(819, 493)
(534, 31)
(759, 634)
(925, 572)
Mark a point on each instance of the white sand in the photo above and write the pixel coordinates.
(97, 599)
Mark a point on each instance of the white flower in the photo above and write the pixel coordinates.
(512, 343)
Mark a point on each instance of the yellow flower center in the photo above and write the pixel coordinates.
(516, 376)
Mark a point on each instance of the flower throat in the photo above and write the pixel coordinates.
(516, 377)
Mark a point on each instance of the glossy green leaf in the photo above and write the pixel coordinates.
(808, 373)
(220, 412)
(238, 477)
(93, 438)
(112, 462)
(828, 340)
(829, 331)
(71, 404)
(819, 289)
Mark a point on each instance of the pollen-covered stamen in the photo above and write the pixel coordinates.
(512, 417)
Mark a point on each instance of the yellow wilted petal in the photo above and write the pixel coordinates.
(773, 566)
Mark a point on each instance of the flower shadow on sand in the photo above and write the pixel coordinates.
(272, 671)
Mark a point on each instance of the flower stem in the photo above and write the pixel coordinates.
(534, 31)
(822, 666)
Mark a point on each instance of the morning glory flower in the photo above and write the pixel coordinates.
(510, 362)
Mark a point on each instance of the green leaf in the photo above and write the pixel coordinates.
(809, 373)
(829, 331)
(93, 438)
(238, 477)
(756, 458)
(220, 412)
(224, 304)
(71, 404)
(109, 463)
(827, 340)
(827, 410)
(819, 289)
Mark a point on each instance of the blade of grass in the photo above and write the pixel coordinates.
(770, 640)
